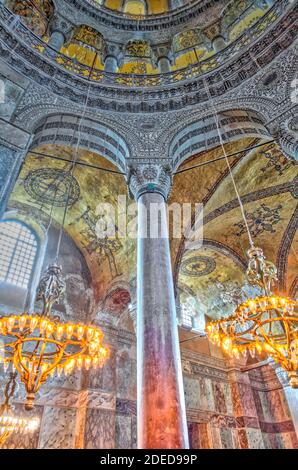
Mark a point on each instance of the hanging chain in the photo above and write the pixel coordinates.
(71, 171)
(216, 119)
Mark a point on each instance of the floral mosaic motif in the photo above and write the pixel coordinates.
(88, 36)
(34, 14)
(139, 68)
(138, 49)
(260, 220)
(198, 266)
(187, 39)
(276, 160)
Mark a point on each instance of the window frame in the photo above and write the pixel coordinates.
(36, 256)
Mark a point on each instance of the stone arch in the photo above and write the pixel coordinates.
(63, 129)
(202, 134)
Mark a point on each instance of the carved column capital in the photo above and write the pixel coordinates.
(149, 179)
(163, 51)
(112, 50)
(61, 25)
(286, 137)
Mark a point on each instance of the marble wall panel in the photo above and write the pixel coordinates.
(226, 438)
(243, 399)
(205, 436)
(258, 404)
(289, 440)
(100, 400)
(125, 375)
(100, 429)
(134, 432)
(235, 437)
(193, 433)
(266, 408)
(228, 397)
(58, 428)
(242, 438)
(216, 438)
(276, 405)
(70, 382)
(255, 439)
(28, 440)
(285, 405)
(104, 378)
(219, 397)
(191, 391)
(123, 438)
(200, 436)
(205, 391)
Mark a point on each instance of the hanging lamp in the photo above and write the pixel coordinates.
(38, 345)
(264, 324)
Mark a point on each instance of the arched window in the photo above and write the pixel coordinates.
(18, 249)
(135, 7)
(186, 317)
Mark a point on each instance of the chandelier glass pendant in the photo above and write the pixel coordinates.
(10, 422)
(264, 324)
(40, 345)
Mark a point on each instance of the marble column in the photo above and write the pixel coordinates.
(112, 56)
(164, 64)
(56, 41)
(290, 393)
(288, 143)
(218, 43)
(111, 64)
(60, 32)
(161, 406)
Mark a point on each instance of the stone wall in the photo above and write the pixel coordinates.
(226, 408)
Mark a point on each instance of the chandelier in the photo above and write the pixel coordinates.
(10, 422)
(264, 324)
(37, 346)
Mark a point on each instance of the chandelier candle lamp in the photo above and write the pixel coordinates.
(264, 324)
(37, 346)
(10, 422)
